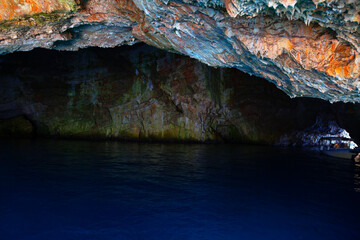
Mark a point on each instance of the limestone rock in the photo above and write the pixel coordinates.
(307, 48)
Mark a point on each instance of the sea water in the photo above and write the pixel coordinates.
(109, 190)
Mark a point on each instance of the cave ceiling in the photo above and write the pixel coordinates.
(308, 48)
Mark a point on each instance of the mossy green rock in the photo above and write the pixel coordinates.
(143, 93)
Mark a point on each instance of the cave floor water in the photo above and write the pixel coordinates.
(111, 190)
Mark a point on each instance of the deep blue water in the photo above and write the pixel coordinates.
(107, 190)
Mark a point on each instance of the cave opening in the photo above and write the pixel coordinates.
(179, 119)
(128, 184)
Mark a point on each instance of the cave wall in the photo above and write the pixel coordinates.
(142, 93)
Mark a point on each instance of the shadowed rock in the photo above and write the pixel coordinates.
(143, 93)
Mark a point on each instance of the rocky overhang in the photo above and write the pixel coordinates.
(307, 48)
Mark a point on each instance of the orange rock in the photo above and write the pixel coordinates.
(16, 8)
(288, 52)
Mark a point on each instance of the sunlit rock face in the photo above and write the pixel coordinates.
(16, 8)
(143, 93)
(307, 48)
(94, 23)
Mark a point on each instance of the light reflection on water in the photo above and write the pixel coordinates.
(111, 190)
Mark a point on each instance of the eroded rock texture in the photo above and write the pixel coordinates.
(17, 8)
(142, 93)
(306, 47)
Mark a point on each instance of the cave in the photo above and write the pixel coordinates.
(179, 119)
(141, 93)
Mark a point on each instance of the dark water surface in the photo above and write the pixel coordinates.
(108, 190)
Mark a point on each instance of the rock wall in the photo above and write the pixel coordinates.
(307, 48)
(142, 93)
